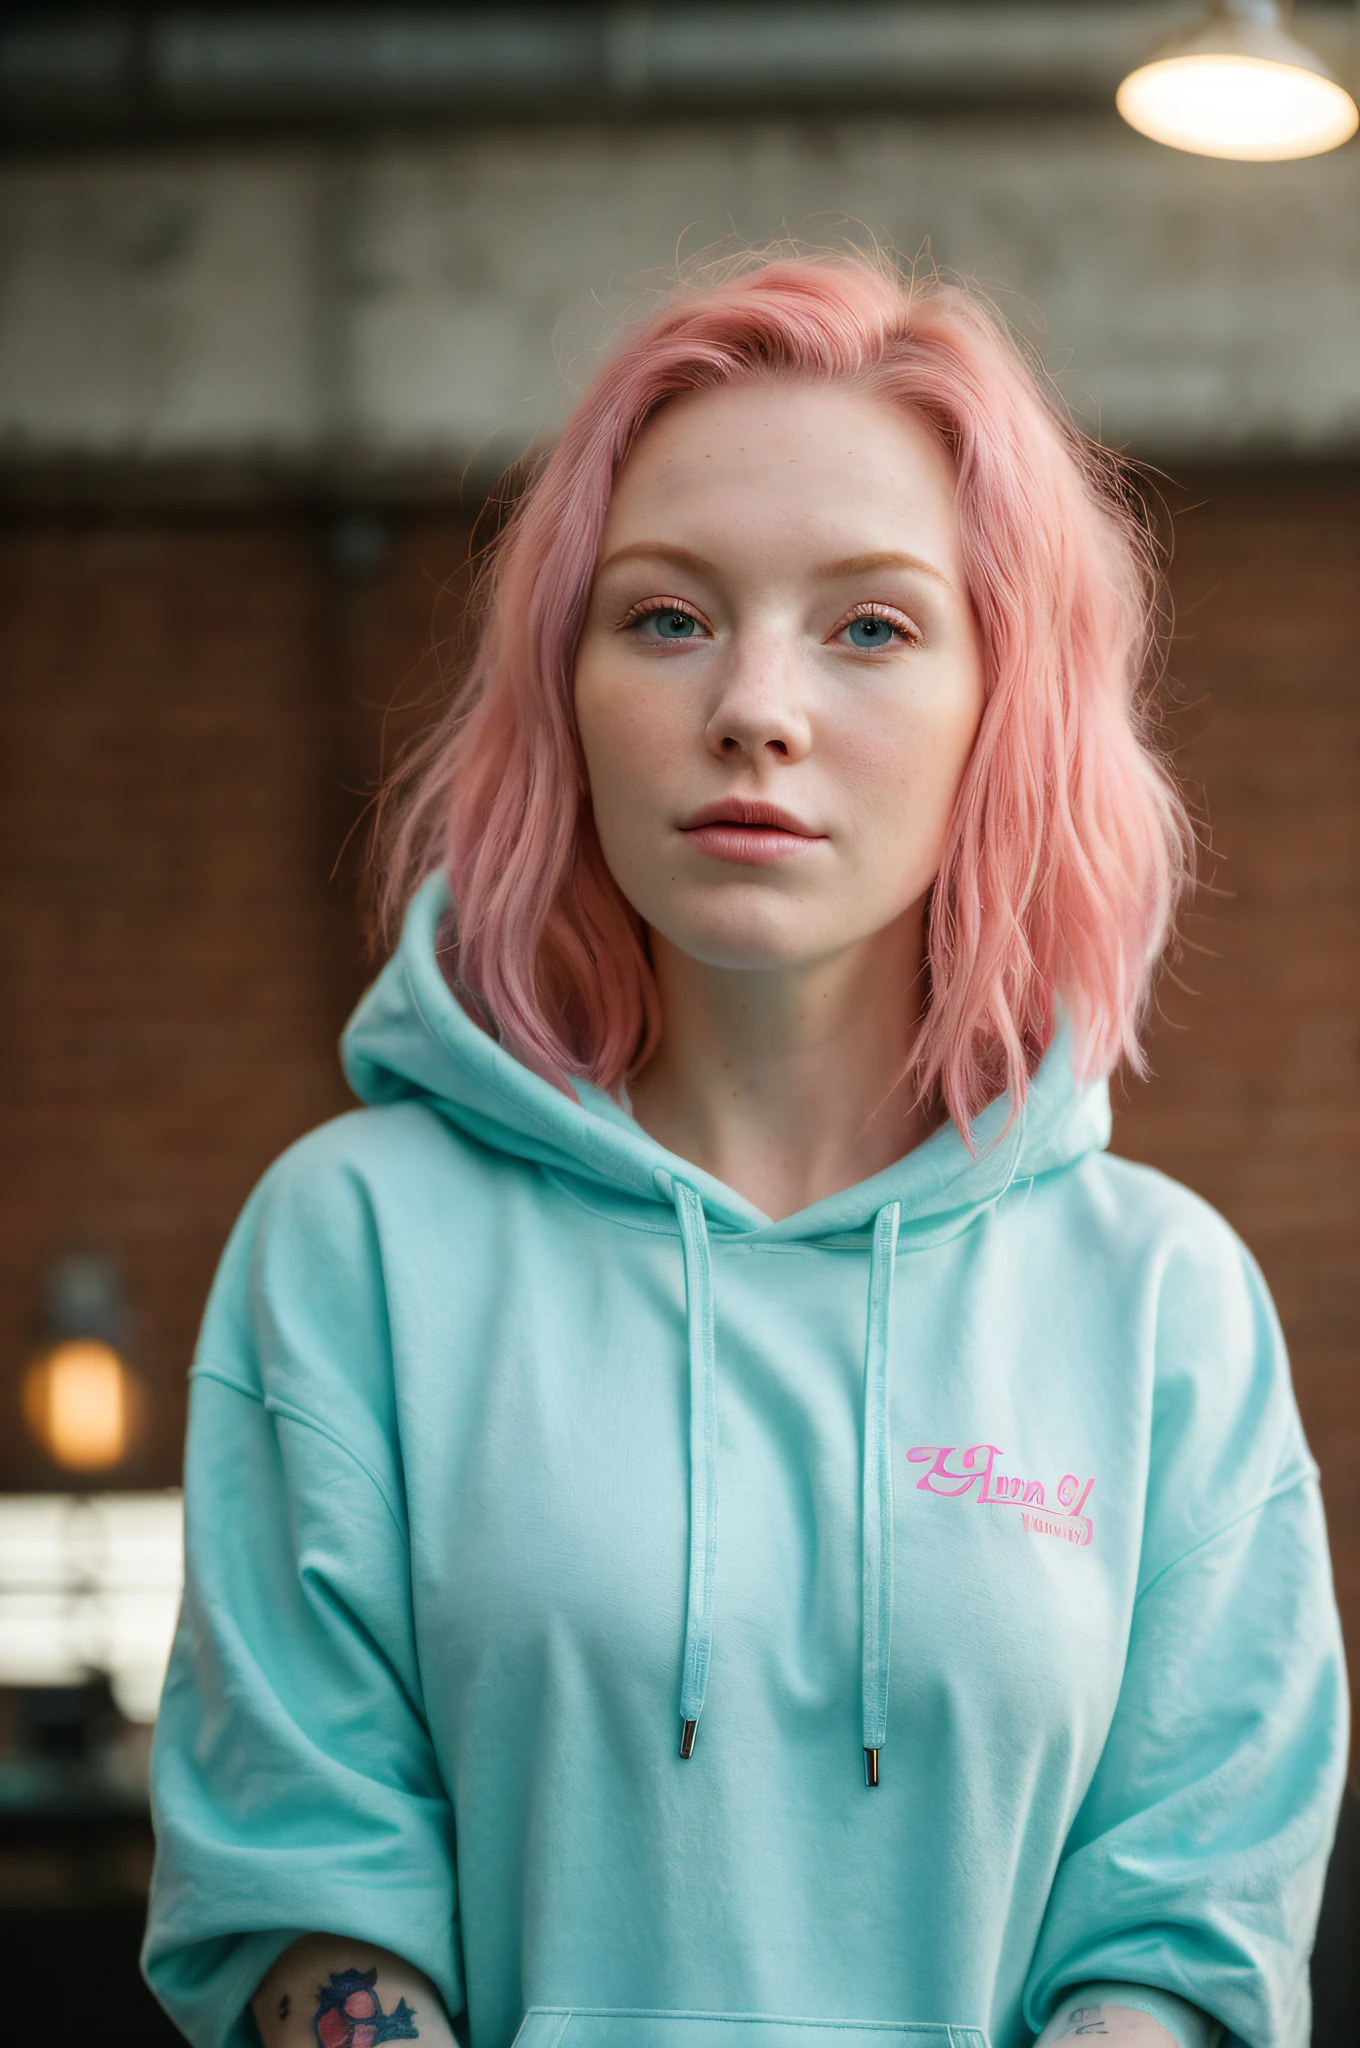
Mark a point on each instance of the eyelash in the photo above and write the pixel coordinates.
(900, 623)
(650, 607)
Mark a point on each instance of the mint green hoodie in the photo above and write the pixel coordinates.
(524, 1456)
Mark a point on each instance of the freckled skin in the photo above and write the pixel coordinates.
(770, 484)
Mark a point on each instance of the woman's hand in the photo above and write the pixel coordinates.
(330, 1991)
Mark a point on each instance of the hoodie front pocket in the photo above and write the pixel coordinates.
(589, 2026)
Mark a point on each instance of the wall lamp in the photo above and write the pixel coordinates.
(81, 1400)
(1240, 85)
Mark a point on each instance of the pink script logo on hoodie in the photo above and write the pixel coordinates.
(976, 1467)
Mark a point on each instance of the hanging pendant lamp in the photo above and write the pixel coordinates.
(1239, 86)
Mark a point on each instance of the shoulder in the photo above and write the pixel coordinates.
(325, 1221)
(307, 1269)
(388, 1170)
(1165, 1250)
(1181, 1288)
(1148, 1214)
(1156, 1243)
(1190, 1263)
(371, 1147)
(1224, 1430)
(1183, 1260)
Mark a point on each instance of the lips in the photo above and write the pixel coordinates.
(748, 832)
(739, 810)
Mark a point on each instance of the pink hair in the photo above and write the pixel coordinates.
(1069, 846)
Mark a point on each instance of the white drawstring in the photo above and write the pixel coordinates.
(876, 1506)
(703, 1460)
(876, 1525)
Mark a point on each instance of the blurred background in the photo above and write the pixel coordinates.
(282, 292)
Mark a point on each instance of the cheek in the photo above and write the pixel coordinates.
(903, 765)
(633, 737)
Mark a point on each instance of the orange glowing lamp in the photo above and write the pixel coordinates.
(80, 1402)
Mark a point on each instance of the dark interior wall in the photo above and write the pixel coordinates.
(192, 705)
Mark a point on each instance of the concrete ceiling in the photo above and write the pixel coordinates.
(381, 304)
(145, 69)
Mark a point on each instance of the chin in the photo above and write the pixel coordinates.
(779, 936)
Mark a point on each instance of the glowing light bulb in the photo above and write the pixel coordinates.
(78, 1401)
(1239, 86)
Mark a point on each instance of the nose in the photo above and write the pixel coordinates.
(759, 712)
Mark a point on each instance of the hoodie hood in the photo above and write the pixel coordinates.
(410, 1038)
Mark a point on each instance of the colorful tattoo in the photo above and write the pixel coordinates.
(1085, 2019)
(348, 2014)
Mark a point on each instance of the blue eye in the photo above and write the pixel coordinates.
(672, 625)
(871, 631)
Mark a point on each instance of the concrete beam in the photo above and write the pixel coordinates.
(401, 310)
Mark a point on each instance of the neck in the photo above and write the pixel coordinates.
(786, 1083)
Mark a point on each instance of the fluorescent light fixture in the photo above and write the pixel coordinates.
(90, 1584)
(1239, 86)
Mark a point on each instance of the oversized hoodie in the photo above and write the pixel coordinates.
(524, 1456)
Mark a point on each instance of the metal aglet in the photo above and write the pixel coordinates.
(687, 1739)
(871, 1767)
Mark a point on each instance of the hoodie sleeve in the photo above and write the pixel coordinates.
(295, 1789)
(1197, 1859)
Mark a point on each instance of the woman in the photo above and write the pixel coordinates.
(715, 1506)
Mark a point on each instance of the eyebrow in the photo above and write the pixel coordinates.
(657, 551)
(853, 565)
(865, 565)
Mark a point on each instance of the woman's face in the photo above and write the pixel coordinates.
(779, 679)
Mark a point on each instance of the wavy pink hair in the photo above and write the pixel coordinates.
(1069, 845)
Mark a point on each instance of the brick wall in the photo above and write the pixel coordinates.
(169, 955)
(1256, 1095)
(191, 708)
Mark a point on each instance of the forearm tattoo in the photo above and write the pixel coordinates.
(1084, 2019)
(348, 2014)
